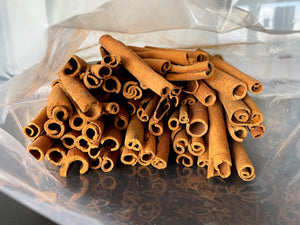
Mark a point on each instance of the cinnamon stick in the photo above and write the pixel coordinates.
(253, 85)
(134, 136)
(161, 109)
(137, 67)
(227, 85)
(56, 154)
(101, 71)
(242, 162)
(197, 146)
(256, 117)
(183, 114)
(36, 126)
(82, 143)
(84, 100)
(69, 138)
(113, 61)
(73, 155)
(188, 99)
(189, 87)
(129, 156)
(173, 122)
(237, 133)
(94, 130)
(112, 85)
(77, 122)
(180, 141)
(59, 106)
(73, 67)
(155, 127)
(205, 94)
(160, 66)
(147, 153)
(147, 106)
(111, 107)
(162, 150)
(198, 123)
(202, 160)
(54, 129)
(91, 81)
(95, 164)
(188, 76)
(219, 154)
(132, 106)
(199, 66)
(237, 111)
(186, 159)
(39, 147)
(121, 119)
(131, 90)
(257, 131)
(94, 152)
(109, 160)
(112, 137)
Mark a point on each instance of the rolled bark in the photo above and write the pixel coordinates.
(121, 119)
(73, 155)
(230, 86)
(36, 126)
(147, 106)
(242, 162)
(161, 109)
(186, 159)
(95, 164)
(197, 67)
(129, 156)
(188, 99)
(111, 107)
(256, 117)
(205, 95)
(219, 154)
(132, 106)
(39, 147)
(253, 85)
(112, 137)
(183, 114)
(237, 133)
(160, 66)
(113, 61)
(134, 136)
(137, 67)
(147, 153)
(173, 122)
(189, 87)
(198, 123)
(202, 160)
(237, 111)
(109, 160)
(100, 71)
(69, 138)
(112, 84)
(91, 81)
(81, 97)
(197, 146)
(54, 129)
(131, 90)
(94, 152)
(257, 131)
(94, 130)
(181, 142)
(188, 76)
(59, 106)
(77, 122)
(82, 143)
(155, 127)
(73, 67)
(56, 155)
(162, 150)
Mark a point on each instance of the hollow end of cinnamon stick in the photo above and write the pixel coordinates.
(185, 159)
(92, 82)
(239, 91)
(112, 85)
(31, 131)
(56, 154)
(77, 122)
(197, 128)
(54, 129)
(39, 147)
(101, 71)
(82, 143)
(95, 163)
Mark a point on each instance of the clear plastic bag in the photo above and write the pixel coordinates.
(248, 35)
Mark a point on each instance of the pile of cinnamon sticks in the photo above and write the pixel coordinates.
(139, 103)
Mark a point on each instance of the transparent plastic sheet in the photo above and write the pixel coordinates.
(176, 195)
